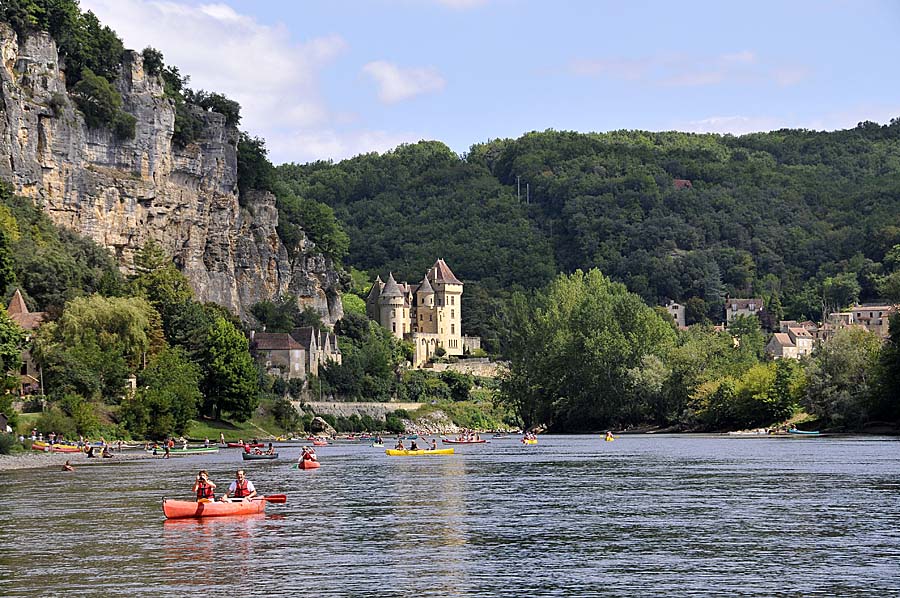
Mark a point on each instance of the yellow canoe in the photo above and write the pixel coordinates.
(407, 452)
(529, 441)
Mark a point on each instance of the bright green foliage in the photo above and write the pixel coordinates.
(230, 383)
(166, 398)
(576, 344)
(370, 355)
(353, 304)
(842, 378)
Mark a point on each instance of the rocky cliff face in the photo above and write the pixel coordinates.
(123, 192)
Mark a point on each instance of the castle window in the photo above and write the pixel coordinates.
(452, 300)
(393, 313)
(430, 319)
(393, 326)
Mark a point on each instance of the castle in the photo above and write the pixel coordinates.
(428, 314)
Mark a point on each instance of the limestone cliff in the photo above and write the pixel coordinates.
(121, 192)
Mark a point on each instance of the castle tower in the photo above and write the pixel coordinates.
(424, 316)
(447, 306)
(393, 308)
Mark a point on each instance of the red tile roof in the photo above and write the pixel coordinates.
(19, 313)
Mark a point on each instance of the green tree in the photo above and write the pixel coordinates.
(167, 397)
(230, 382)
(841, 377)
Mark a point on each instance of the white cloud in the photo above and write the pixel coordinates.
(396, 84)
(274, 78)
(679, 70)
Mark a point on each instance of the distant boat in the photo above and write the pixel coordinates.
(803, 432)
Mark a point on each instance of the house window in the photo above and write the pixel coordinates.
(452, 314)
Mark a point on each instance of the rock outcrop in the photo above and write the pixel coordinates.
(122, 192)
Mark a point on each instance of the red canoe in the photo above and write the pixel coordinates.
(448, 441)
(239, 445)
(308, 464)
(186, 509)
(320, 443)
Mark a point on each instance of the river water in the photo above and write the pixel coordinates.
(572, 516)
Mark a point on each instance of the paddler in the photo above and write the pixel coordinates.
(241, 488)
(204, 487)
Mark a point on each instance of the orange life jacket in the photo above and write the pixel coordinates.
(204, 490)
(240, 489)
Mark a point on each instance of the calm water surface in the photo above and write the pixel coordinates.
(571, 516)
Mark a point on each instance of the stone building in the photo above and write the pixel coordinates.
(297, 354)
(429, 314)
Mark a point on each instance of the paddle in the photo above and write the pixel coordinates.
(279, 498)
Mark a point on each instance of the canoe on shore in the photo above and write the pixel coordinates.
(409, 453)
(255, 457)
(186, 509)
(46, 447)
(804, 432)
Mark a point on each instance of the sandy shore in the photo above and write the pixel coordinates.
(37, 460)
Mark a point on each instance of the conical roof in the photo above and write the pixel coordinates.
(391, 288)
(440, 272)
(375, 291)
(425, 287)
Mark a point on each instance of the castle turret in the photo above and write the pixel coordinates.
(393, 308)
(425, 319)
(447, 304)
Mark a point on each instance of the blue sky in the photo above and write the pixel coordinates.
(330, 79)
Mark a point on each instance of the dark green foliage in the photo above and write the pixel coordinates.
(153, 61)
(370, 356)
(230, 384)
(458, 384)
(286, 415)
(216, 102)
(285, 314)
(254, 169)
(101, 105)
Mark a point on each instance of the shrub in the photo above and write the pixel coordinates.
(123, 125)
(97, 99)
(57, 103)
(7, 442)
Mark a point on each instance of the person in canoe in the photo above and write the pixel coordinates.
(433, 444)
(413, 446)
(308, 454)
(609, 436)
(204, 487)
(271, 449)
(399, 446)
(241, 488)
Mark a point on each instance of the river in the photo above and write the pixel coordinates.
(678, 515)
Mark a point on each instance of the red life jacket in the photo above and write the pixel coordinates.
(204, 490)
(240, 489)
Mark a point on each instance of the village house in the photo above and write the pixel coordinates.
(793, 342)
(676, 310)
(29, 375)
(741, 307)
(428, 314)
(294, 355)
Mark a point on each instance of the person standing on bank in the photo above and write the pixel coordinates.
(241, 488)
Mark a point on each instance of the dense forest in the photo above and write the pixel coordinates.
(803, 216)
